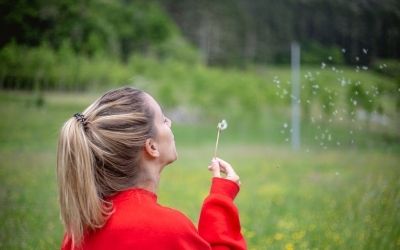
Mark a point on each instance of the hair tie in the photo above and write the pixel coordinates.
(81, 118)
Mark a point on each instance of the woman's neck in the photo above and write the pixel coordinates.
(148, 178)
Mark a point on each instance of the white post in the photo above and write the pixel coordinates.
(295, 58)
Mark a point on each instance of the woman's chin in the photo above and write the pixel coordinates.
(172, 159)
(175, 158)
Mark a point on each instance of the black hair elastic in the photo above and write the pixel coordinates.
(81, 118)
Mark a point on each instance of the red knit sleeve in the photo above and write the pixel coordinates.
(219, 218)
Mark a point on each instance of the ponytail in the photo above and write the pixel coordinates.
(98, 155)
(81, 206)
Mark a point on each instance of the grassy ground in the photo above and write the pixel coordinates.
(345, 197)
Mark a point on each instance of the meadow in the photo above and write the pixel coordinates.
(336, 197)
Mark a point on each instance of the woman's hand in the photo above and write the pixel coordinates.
(219, 166)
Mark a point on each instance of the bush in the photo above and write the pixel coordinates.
(315, 53)
(388, 67)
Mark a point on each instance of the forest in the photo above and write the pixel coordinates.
(225, 32)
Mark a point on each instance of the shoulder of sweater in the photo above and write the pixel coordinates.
(175, 214)
(131, 215)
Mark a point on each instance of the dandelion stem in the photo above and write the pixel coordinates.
(216, 144)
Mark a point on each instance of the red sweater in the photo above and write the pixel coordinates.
(139, 222)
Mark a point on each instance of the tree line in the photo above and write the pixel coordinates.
(259, 31)
(226, 32)
(92, 27)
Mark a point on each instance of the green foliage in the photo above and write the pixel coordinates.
(388, 67)
(177, 48)
(315, 53)
(235, 33)
(179, 80)
(357, 96)
(240, 32)
(115, 28)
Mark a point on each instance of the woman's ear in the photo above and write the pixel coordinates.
(151, 148)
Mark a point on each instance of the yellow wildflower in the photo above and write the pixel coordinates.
(289, 246)
(278, 236)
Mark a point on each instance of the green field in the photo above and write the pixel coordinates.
(339, 197)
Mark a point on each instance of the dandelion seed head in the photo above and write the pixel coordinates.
(222, 125)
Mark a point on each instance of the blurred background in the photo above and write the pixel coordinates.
(328, 180)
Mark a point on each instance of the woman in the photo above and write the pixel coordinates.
(109, 162)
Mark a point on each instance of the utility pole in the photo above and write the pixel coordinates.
(295, 59)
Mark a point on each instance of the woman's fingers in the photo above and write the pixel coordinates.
(229, 171)
(214, 168)
(219, 166)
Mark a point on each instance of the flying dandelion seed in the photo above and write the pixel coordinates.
(221, 126)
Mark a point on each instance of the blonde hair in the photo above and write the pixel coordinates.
(99, 157)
